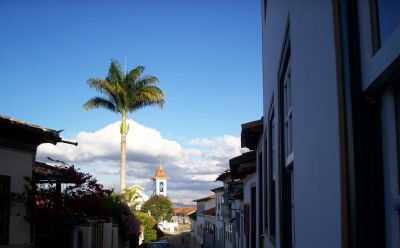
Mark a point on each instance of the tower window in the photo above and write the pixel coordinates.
(161, 186)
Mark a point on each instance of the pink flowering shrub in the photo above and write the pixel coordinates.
(84, 198)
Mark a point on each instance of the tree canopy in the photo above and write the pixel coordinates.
(125, 93)
(160, 207)
(149, 223)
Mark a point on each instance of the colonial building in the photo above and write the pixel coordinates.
(203, 221)
(236, 210)
(219, 218)
(18, 144)
(181, 215)
(243, 172)
(160, 181)
(328, 160)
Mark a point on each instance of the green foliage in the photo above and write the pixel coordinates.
(160, 207)
(150, 233)
(125, 93)
(130, 196)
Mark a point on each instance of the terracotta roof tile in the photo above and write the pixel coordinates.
(184, 211)
(160, 173)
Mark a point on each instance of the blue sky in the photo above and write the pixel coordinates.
(207, 55)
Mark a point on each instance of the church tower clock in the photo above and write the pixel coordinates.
(160, 182)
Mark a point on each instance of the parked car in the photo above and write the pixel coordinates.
(159, 244)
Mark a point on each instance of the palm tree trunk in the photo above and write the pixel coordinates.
(124, 131)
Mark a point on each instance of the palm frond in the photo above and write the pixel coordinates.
(125, 93)
(115, 74)
(147, 96)
(147, 81)
(99, 102)
(134, 74)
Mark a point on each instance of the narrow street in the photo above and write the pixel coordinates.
(182, 240)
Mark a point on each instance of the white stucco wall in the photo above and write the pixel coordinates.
(249, 182)
(17, 165)
(157, 186)
(315, 111)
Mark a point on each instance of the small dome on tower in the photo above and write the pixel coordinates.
(160, 173)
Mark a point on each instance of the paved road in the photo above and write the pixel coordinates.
(183, 240)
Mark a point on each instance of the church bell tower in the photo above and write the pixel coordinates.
(160, 182)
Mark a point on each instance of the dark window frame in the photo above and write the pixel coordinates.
(285, 140)
(253, 216)
(378, 38)
(260, 203)
(271, 172)
(266, 180)
(397, 120)
(161, 186)
(5, 181)
(265, 3)
(375, 32)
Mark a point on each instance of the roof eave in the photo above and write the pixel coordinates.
(251, 133)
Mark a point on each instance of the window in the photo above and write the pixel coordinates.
(253, 217)
(247, 224)
(286, 130)
(4, 209)
(271, 208)
(260, 194)
(385, 19)
(260, 201)
(266, 187)
(265, 10)
(288, 116)
(161, 187)
(397, 109)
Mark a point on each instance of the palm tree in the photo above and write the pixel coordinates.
(132, 196)
(125, 93)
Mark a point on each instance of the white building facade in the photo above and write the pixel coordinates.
(328, 170)
(199, 225)
(18, 144)
(219, 219)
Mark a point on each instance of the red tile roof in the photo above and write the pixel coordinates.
(160, 173)
(184, 211)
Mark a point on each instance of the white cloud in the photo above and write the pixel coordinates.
(143, 145)
(191, 170)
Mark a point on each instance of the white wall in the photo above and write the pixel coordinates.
(157, 186)
(210, 204)
(249, 182)
(316, 127)
(17, 165)
(315, 114)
